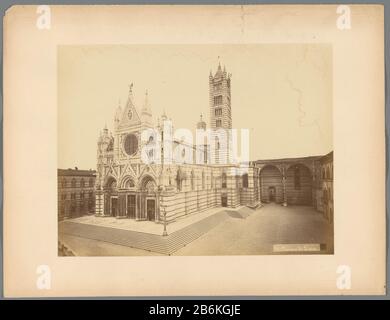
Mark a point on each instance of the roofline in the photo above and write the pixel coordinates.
(318, 157)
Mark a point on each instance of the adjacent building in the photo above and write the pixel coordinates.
(76, 192)
(298, 181)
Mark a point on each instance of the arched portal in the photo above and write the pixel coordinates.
(271, 184)
(128, 197)
(111, 205)
(148, 201)
(298, 185)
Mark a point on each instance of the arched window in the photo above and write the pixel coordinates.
(90, 182)
(73, 184)
(245, 180)
(178, 180)
(223, 180)
(82, 183)
(130, 184)
(192, 181)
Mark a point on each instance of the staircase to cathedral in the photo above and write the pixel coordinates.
(151, 242)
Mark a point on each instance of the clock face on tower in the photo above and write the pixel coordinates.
(130, 114)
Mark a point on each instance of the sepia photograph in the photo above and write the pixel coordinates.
(176, 151)
(195, 150)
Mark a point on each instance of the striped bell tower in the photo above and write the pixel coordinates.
(220, 113)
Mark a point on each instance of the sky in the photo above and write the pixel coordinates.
(282, 93)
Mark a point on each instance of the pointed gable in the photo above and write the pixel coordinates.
(130, 116)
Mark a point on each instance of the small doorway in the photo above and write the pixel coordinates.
(271, 194)
(224, 201)
(114, 207)
(151, 209)
(131, 206)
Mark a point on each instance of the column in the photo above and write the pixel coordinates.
(284, 188)
(137, 207)
(260, 188)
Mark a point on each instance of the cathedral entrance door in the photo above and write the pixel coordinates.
(114, 207)
(131, 206)
(151, 209)
(224, 201)
(271, 194)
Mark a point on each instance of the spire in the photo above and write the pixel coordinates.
(146, 107)
(201, 124)
(146, 112)
(131, 97)
(219, 70)
(118, 112)
(164, 116)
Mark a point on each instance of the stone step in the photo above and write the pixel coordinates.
(150, 242)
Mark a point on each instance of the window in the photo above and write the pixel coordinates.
(131, 144)
(63, 196)
(90, 194)
(218, 123)
(63, 183)
(297, 178)
(90, 182)
(245, 180)
(203, 181)
(218, 112)
(82, 195)
(82, 183)
(192, 181)
(151, 154)
(217, 100)
(178, 180)
(73, 196)
(224, 180)
(218, 86)
(73, 183)
(217, 145)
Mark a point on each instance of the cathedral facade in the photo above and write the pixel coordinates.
(162, 189)
(129, 187)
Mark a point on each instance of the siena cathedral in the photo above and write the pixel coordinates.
(127, 186)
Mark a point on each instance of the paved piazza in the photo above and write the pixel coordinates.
(299, 228)
(257, 234)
